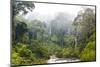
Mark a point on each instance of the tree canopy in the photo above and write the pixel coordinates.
(36, 40)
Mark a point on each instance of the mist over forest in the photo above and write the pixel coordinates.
(51, 33)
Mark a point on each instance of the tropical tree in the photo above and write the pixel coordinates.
(17, 7)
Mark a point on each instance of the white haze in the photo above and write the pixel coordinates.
(47, 12)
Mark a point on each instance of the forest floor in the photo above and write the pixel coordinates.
(54, 59)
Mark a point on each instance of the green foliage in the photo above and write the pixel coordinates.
(55, 48)
(69, 40)
(65, 53)
(76, 52)
(20, 30)
(89, 52)
(54, 38)
(17, 7)
(16, 59)
(43, 49)
(25, 38)
(92, 37)
(35, 43)
(20, 53)
(85, 34)
(84, 27)
(23, 55)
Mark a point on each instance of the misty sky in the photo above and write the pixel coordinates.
(47, 12)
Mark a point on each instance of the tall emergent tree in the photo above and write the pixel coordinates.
(84, 25)
(17, 7)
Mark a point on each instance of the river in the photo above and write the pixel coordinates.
(54, 59)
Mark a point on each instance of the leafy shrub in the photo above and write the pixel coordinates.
(65, 52)
(76, 52)
(40, 61)
(16, 59)
(89, 53)
(23, 55)
(44, 49)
